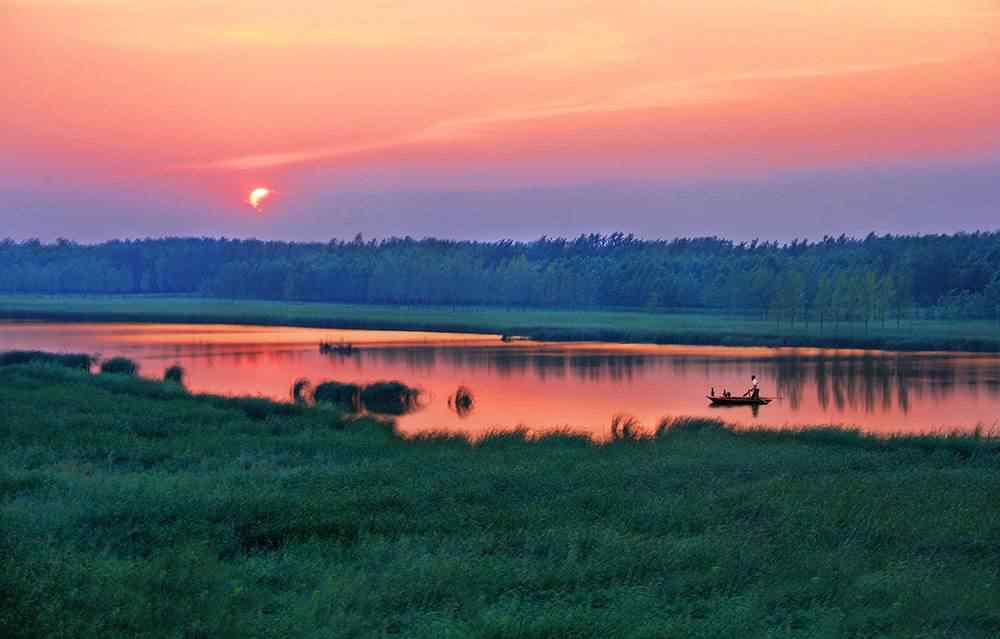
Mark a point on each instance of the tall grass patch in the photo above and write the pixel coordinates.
(131, 508)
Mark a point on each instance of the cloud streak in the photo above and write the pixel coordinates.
(739, 88)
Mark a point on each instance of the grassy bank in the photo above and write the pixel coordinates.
(612, 326)
(133, 509)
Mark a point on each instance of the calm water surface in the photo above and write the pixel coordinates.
(544, 386)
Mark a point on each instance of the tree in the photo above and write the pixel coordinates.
(868, 296)
(762, 288)
(842, 297)
(831, 278)
(902, 290)
(823, 302)
(992, 295)
(886, 295)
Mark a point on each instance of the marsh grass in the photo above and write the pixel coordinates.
(672, 425)
(133, 508)
(69, 360)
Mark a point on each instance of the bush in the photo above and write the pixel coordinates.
(390, 398)
(346, 396)
(174, 374)
(69, 360)
(301, 391)
(119, 366)
(462, 401)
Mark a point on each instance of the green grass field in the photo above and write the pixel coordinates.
(129, 508)
(614, 326)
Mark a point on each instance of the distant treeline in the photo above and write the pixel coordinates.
(834, 279)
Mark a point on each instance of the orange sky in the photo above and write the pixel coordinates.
(231, 94)
(253, 84)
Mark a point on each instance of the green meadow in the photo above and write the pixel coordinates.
(131, 508)
(543, 324)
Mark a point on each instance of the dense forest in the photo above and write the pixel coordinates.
(878, 278)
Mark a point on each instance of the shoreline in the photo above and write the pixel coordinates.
(544, 325)
(50, 367)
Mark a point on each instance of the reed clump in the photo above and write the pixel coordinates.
(626, 428)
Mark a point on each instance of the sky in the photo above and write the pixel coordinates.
(776, 119)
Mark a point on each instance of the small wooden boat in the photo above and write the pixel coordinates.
(718, 400)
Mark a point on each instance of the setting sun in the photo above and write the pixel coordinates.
(257, 197)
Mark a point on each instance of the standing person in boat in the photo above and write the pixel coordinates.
(754, 391)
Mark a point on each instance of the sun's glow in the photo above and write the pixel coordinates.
(257, 196)
(569, 92)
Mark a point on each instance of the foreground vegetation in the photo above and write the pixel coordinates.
(130, 508)
(612, 326)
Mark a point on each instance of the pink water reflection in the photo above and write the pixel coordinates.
(553, 385)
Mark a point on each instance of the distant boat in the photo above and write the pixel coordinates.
(343, 348)
(737, 401)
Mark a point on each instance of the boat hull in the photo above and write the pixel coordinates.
(738, 401)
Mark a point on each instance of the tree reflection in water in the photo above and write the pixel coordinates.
(866, 382)
(559, 385)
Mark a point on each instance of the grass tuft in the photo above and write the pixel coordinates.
(626, 428)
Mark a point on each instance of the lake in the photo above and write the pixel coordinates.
(545, 386)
